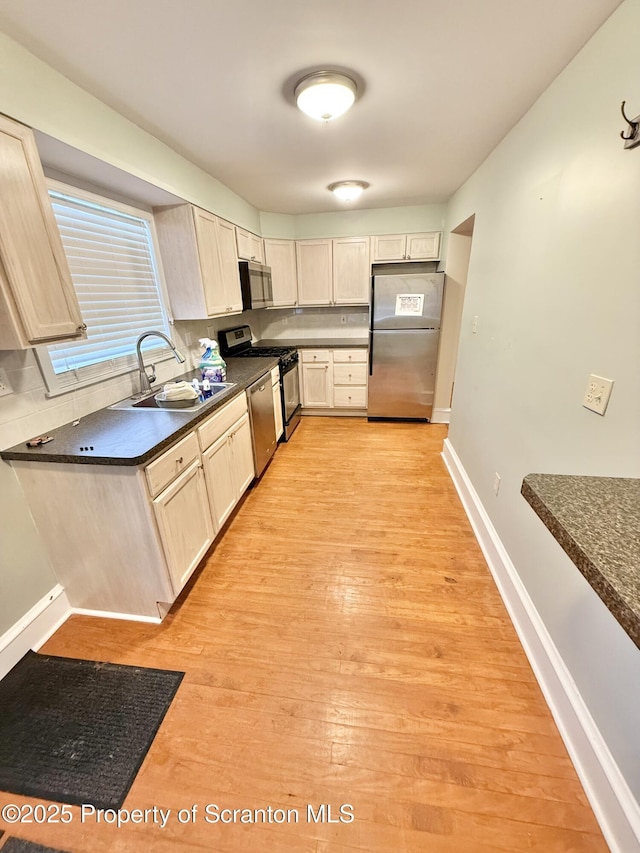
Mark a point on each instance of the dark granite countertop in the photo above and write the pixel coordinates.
(121, 437)
(596, 520)
(315, 343)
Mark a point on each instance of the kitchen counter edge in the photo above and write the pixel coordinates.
(580, 511)
(161, 430)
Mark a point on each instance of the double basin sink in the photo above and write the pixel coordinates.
(149, 403)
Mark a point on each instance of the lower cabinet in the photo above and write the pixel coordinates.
(277, 401)
(185, 524)
(229, 469)
(334, 378)
(125, 539)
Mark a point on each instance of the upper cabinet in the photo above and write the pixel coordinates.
(407, 247)
(333, 272)
(315, 272)
(200, 262)
(280, 255)
(250, 246)
(351, 271)
(38, 303)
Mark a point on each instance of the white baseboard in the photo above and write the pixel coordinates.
(441, 416)
(108, 614)
(615, 807)
(34, 629)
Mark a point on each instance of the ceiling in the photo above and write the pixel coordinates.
(442, 83)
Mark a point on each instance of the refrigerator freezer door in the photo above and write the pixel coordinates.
(407, 301)
(402, 373)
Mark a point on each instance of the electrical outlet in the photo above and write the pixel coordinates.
(596, 397)
(474, 325)
(5, 387)
(496, 483)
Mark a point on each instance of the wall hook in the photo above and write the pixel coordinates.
(632, 138)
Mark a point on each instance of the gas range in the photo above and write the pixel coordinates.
(237, 342)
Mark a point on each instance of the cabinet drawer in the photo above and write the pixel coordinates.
(218, 424)
(347, 397)
(315, 355)
(349, 374)
(167, 467)
(359, 356)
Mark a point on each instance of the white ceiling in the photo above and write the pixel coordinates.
(444, 81)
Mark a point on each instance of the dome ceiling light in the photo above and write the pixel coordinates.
(325, 95)
(348, 190)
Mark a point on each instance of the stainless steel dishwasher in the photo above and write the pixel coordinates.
(263, 421)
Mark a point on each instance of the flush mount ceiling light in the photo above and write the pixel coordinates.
(325, 95)
(348, 190)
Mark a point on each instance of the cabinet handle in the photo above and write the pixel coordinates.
(82, 328)
(180, 460)
(408, 257)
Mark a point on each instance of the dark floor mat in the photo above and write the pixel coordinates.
(19, 845)
(77, 731)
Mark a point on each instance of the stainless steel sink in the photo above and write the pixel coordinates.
(148, 403)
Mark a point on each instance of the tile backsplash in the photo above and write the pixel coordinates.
(28, 411)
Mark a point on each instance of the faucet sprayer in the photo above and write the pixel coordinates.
(146, 381)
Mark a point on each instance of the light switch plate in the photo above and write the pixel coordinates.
(596, 397)
(5, 387)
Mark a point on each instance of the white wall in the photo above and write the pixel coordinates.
(553, 278)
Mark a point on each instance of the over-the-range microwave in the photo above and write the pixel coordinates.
(255, 281)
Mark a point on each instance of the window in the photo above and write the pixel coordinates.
(111, 253)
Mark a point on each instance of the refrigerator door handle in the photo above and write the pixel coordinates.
(371, 315)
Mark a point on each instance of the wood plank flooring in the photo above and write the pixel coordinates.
(344, 643)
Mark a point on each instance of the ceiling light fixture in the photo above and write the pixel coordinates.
(348, 190)
(325, 95)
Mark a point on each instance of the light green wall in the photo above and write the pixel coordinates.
(553, 280)
(32, 92)
(355, 223)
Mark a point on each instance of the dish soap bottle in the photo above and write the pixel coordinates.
(212, 366)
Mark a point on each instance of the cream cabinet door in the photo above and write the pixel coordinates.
(38, 302)
(229, 266)
(244, 469)
(210, 265)
(423, 247)
(317, 385)
(280, 255)
(218, 468)
(184, 522)
(277, 409)
(250, 246)
(351, 271)
(315, 274)
(390, 247)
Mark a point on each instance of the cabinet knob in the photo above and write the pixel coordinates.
(82, 328)
(408, 257)
(180, 460)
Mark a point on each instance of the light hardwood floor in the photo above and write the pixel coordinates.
(344, 643)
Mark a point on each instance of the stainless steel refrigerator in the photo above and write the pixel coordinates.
(403, 344)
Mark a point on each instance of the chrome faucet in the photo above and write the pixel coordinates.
(146, 380)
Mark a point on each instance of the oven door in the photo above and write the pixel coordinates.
(290, 392)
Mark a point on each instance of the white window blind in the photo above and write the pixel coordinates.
(110, 252)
